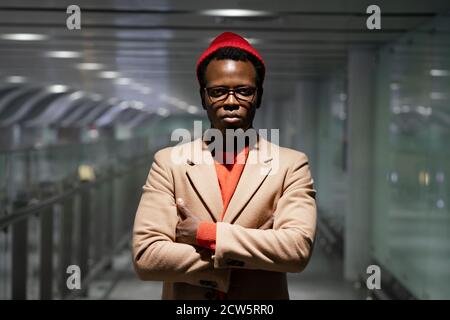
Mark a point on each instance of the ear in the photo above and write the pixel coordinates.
(202, 97)
(259, 100)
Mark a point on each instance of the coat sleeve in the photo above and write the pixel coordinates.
(288, 246)
(156, 255)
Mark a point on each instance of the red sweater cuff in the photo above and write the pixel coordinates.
(206, 235)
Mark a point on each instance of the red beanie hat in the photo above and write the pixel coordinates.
(229, 39)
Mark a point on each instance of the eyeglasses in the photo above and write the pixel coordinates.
(243, 94)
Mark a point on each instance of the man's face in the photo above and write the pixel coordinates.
(230, 110)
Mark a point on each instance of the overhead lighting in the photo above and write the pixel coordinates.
(76, 95)
(23, 36)
(123, 81)
(439, 73)
(253, 40)
(162, 112)
(141, 88)
(174, 101)
(235, 13)
(192, 109)
(396, 109)
(437, 96)
(138, 105)
(395, 86)
(108, 74)
(89, 66)
(425, 111)
(424, 178)
(406, 108)
(93, 134)
(15, 79)
(124, 105)
(394, 177)
(63, 54)
(57, 88)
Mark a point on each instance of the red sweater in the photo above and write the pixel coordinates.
(228, 176)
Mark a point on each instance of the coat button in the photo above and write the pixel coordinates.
(235, 263)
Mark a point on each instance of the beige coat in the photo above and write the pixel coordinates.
(248, 263)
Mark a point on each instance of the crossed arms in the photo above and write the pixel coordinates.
(160, 254)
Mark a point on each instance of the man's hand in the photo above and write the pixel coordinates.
(186, 231)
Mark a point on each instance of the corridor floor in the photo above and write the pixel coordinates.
(321, 280)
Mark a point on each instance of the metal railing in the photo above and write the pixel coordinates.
(82, 225)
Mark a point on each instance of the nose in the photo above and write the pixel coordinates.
(231, 103)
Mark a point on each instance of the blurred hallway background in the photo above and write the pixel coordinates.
(83, 111)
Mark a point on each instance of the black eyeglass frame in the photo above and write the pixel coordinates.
(215, 100)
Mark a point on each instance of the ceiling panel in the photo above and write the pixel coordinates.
(155, 44)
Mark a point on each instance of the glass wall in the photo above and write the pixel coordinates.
(411, 218)
(331, 181)
(33, 175)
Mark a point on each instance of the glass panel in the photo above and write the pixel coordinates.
(411, 226)
(331, 176)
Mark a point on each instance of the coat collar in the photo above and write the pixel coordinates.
(202, 174)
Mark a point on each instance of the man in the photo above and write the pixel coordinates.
(220, 230)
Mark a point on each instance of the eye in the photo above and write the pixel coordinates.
(217, 92)
(245, 91)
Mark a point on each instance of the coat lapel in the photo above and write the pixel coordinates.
(256, 169)
(202, 174)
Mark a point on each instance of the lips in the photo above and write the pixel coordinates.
(231, 118)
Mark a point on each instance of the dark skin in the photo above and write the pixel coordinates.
(227, 114)
(232, 74)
